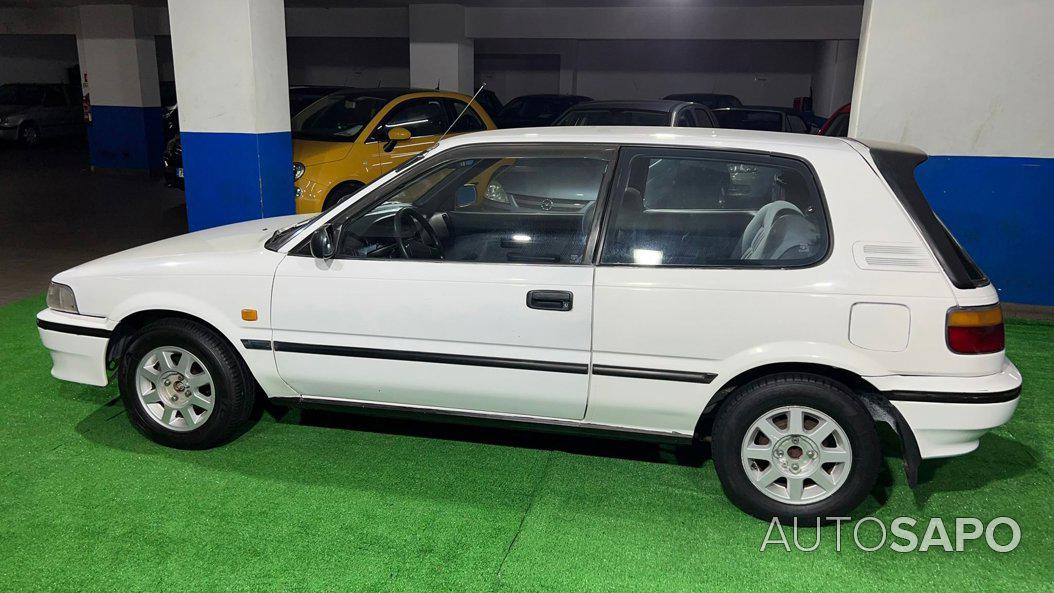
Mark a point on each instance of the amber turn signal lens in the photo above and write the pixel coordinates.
(249, 315)
(976, 330)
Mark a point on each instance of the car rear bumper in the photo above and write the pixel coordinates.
(948, 415)
(77, 344)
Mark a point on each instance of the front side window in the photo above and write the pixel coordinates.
(496, 209)
(797, 124)
(692, 209)
(338, 117)
(685, 119)
(422, 117)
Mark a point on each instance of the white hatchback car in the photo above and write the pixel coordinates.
(775, 294)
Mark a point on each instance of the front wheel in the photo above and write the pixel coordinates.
(341, 193)
(796, 446)
(184, 386)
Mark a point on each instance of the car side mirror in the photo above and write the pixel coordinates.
(324, 242)
(395, 136)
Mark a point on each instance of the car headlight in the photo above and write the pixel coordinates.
(60, 298)
(298, 170)
(496, 193)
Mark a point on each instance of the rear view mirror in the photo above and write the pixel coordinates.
(324, 243)
(396, 135)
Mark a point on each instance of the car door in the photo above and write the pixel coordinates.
(501, 324)
(424, 117)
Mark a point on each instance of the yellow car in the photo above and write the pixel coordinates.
(351, 137)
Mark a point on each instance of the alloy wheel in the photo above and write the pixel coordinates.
(175, 388)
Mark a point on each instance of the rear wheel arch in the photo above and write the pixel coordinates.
(881, 409)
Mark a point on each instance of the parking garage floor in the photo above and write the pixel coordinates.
(56, 213)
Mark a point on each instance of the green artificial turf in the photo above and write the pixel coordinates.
(311, 502)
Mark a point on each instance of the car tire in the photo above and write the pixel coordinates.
(29, 134)
(216, 401)
(754, 439)
(341, 193)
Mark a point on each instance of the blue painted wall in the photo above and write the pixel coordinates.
(1001, 209)
(235, 177)
(125, 137)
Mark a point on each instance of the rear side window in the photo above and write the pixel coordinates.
(897, 166)
(700, 208)
(469, 120)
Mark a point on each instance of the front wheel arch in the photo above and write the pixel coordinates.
(341, 190)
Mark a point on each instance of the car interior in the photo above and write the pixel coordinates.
(674, 211)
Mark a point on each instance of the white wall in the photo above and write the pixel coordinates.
(36, 58)
(832, 79)
(971, 78)
(512, 75)
(758, 72)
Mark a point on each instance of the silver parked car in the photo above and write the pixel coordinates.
(29, 111)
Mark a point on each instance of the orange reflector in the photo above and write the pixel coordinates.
(984, 317)
(249, 315)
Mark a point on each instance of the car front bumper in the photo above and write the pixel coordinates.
(77, 344)
(948, 415)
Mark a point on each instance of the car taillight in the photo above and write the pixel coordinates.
(976, 330)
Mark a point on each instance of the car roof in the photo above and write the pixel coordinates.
(719, 138)
(549, 96)
(688, 96)
(661, 105)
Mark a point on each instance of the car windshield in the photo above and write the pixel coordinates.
(20, 94)
(614, 117)
(741, 119)
(337, 117)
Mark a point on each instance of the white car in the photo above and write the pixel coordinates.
(775, 294)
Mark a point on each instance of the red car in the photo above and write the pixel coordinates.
(838, 123)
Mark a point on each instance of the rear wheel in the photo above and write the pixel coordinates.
(795, 445)
(341, 193)
(184, 386)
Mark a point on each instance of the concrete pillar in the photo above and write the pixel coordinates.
(233, 88)
(120, 70)
(969, 82)
(833, 74)
(441, 54)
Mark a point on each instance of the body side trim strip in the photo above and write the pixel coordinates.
(936, 397)
(79, 330)
(434, 357)
(659, 374)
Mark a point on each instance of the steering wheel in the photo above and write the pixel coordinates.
(422, 243)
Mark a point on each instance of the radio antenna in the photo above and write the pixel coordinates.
(467, 107)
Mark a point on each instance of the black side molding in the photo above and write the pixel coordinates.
(937, 397)
(658, 374)
(434, 357)
(73, 329)
(256, 344)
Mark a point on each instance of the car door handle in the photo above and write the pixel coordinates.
(550, 300)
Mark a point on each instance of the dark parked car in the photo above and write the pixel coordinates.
(766, 119)
(838, 123)
(639, 113)
(711, 100)
(489, 101)
(531, 111)
(172, 155)
(31, 111)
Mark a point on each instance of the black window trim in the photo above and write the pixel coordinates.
(764, 158)
(605, 151)
(896, 165)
